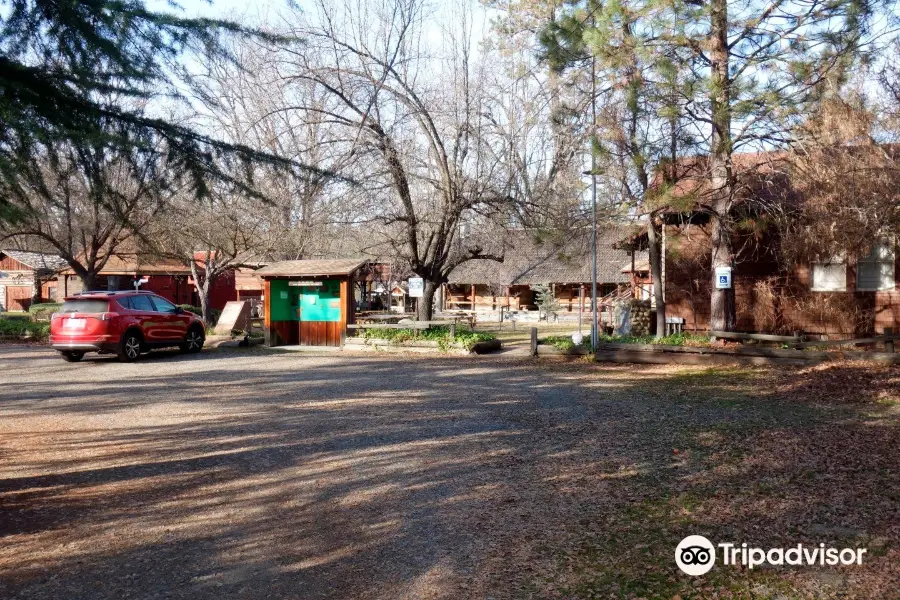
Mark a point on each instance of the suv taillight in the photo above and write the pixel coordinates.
(107, 316)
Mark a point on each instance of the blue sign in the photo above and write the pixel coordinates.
(723, 278)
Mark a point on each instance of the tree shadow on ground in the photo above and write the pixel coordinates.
(391, 477)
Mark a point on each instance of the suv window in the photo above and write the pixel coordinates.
(141, 303)
(163, 305)
(124, 302)
(84, 306)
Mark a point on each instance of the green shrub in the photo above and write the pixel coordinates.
(440, 334)
(21, 328)
(676, 339)
(42, 312)
(565, 343)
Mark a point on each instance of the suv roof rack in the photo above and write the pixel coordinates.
(111, 292)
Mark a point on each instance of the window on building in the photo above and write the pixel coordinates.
(875, 271)
(829, 276)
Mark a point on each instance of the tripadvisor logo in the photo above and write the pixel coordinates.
(696, 555)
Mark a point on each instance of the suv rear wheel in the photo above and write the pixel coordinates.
(72, 356)
(130, 347)
(193, 340)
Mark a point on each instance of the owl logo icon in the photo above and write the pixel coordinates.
(695, 555)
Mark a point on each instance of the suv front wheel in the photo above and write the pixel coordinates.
(193, 340)
(129, 347)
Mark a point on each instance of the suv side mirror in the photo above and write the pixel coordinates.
(179, 310)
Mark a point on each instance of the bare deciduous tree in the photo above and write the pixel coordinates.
(88, 202)
(419, 127)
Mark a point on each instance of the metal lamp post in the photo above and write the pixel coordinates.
(594, 328)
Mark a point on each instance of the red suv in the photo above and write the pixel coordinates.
(124, 323)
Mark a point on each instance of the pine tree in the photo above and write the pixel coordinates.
(77, 73)
(756, 69)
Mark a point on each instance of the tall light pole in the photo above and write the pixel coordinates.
(594, 328)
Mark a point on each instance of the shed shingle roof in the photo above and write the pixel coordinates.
(311, 268)
(36, 260)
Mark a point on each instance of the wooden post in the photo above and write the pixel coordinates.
(473, 297)
(888, 344)
(534, 341)
(267, 319)
(453, 332)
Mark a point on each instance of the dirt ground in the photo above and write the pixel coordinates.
(259, 474)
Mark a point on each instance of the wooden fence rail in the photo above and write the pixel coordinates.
(799, 341)
(762, 337)
(410, 325)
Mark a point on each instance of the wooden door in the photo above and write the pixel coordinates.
(18, 297)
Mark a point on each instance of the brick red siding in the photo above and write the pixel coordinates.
(794, 307)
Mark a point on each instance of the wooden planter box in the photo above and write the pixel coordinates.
(547, 350)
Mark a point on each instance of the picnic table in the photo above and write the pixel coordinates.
(458, 317)
(379, 319)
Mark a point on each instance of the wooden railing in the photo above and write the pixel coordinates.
(800, 341)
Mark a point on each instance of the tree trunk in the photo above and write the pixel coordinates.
(425, 304)
(203, 295)
(722, 306)
(36, 285)
(656, 259)
(87, 280)
(202, 285)
(722, 315)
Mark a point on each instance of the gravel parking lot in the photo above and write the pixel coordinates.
(260, 474)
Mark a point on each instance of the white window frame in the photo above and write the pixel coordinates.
(833, 262)
(865, 259)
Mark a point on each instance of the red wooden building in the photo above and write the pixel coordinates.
(840, 296)
(27, 277)
(168, 278)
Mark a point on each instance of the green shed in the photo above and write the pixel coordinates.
(308, 302)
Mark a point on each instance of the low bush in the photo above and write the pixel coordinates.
(23, 328)
(676, 339)
(565, 343)
(42, 312)
(440, 334)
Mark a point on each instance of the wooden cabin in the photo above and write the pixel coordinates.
(27, 277)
